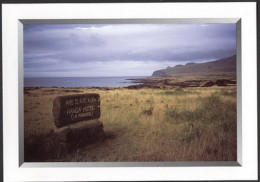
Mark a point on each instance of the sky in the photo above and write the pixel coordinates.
(97, 50)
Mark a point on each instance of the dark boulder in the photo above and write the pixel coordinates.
(224, 82)
(208, 84)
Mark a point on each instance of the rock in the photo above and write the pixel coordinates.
(134, 86)
(76, 119)
(224, 82)
(80, 134)
(75, 108)
(221, 82)
(181, 84)
(166, 82)
(208, 84)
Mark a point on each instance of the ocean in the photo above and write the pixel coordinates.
(80, 81)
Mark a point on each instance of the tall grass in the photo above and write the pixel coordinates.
(210, 109)
(192, 124)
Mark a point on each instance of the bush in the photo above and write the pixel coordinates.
(189, 132)
(211, 109)
(177, 91)
(171, 114)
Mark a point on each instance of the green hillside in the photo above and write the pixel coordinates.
(221, 66)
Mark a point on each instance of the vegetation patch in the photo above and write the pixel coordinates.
(141, 125)
(210, 109)
(231, 93)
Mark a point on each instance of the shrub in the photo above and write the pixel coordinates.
(176, 91)
(211, 109)
(171, 114)
(189, 132)
(167, 92)
(179, 90)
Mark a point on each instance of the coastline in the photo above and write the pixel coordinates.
(165, 82)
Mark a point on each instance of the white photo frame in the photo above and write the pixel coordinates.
(16, 170)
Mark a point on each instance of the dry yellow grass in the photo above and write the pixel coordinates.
(192, 124)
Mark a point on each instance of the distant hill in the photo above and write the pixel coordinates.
(221, 66)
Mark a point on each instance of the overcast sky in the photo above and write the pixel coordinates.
(122, 49)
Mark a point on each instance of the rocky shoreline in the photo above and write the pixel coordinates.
(166, 83)
(154, 83)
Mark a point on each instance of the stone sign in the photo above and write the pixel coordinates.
(75, 108)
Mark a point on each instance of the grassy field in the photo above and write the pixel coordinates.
(191, 124)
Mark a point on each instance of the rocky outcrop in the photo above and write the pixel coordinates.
(171, 83)
(221, 66)
(208, 84)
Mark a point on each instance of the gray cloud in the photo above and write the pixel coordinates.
(48, 46)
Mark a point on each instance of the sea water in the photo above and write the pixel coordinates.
(80, 81)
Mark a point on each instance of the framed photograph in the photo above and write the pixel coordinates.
(130, 91)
